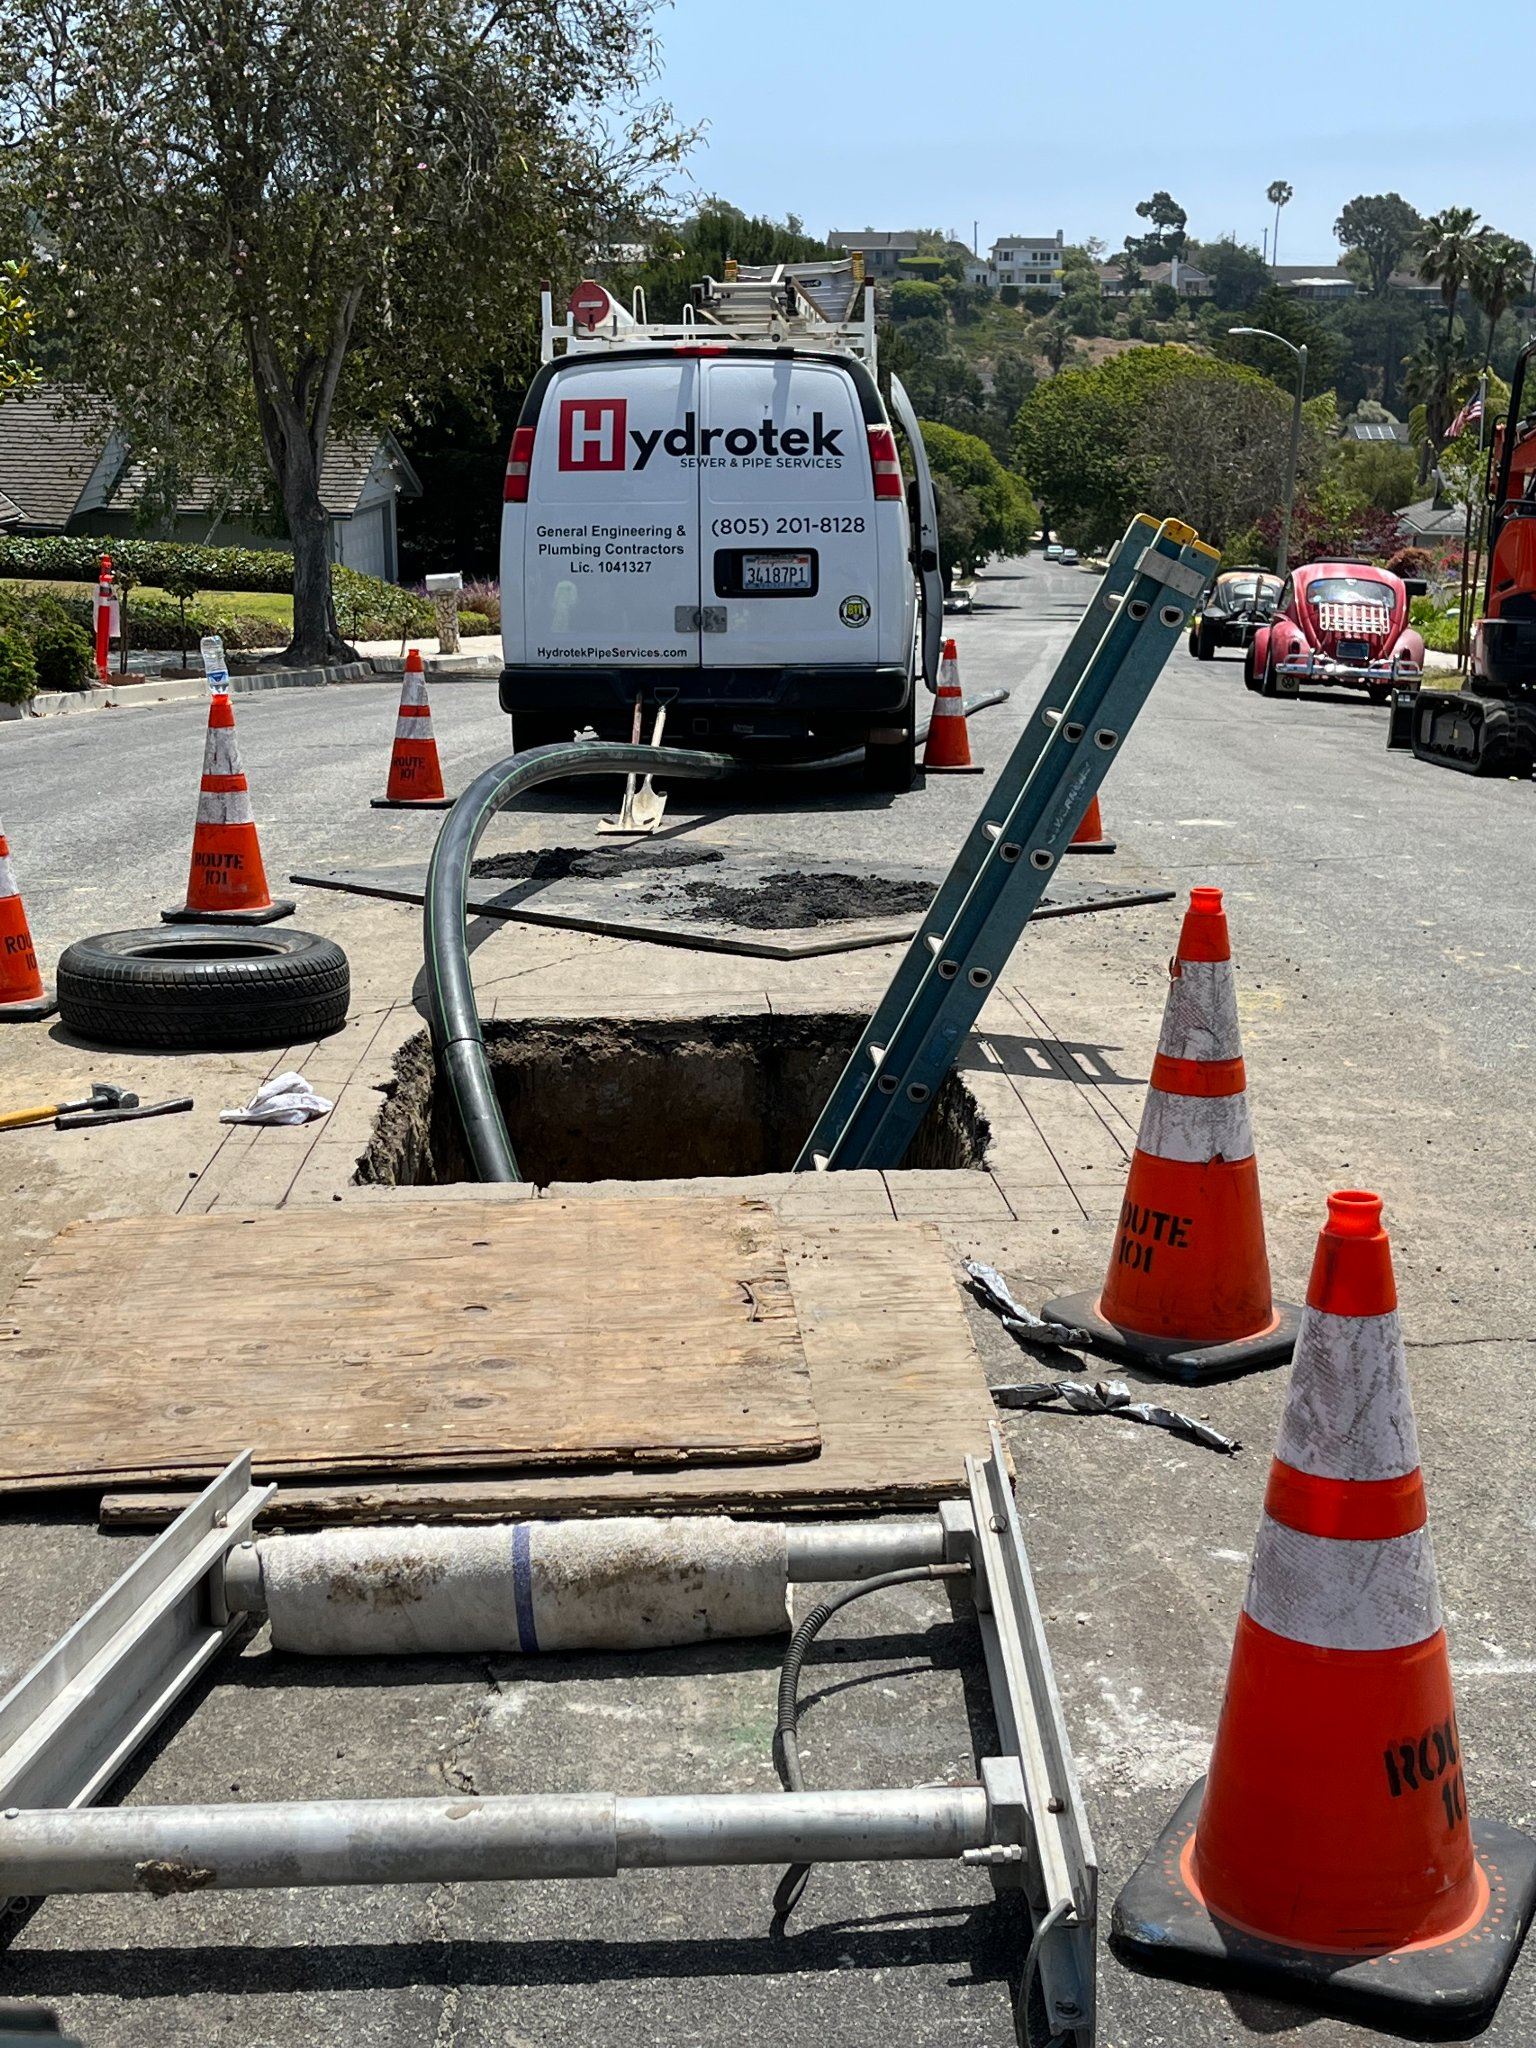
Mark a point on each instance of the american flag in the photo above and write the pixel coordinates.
(1469, 416)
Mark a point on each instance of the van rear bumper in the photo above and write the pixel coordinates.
(608, 692)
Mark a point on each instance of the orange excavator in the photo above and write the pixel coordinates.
(1486, 725)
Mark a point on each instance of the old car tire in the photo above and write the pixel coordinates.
(203, 987)
(1250, 680)
(1194, 642)
(1205, 646)
(1268, 687)
(1378, 693)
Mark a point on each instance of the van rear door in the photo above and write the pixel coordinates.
(786, 515)
(925, 533)
(610, 549)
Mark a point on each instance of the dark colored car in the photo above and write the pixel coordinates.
(1238, 603)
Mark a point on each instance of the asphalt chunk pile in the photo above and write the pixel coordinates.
(555, 863)
(791, 901)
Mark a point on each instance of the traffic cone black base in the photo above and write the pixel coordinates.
(29, 1009)
(1092, 846)
(281, 906)
(1427, 1991)
(1174, 1358)
(413, 803)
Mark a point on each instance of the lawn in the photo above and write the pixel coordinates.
(276, 605)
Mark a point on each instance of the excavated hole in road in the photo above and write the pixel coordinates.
(598, 1099)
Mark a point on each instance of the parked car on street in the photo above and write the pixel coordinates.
(1237, 604)
(1337, 625)
(1069, 555)
(1055, 551)
(958, 600)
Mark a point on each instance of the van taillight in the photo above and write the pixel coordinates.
(885, 463)
(515, 490)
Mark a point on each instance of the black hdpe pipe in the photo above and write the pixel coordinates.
(457, 1042)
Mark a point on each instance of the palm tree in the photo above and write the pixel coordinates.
(1447, 244)
(1431, 376)
(1278, 195)
(1497, 274)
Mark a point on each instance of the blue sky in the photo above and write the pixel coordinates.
(1030, 117)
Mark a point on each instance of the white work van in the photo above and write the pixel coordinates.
(717, 520)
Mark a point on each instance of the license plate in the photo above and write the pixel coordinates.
(777, 572)
(1354, 650)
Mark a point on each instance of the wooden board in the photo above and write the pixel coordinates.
(469, 1335)
(898, 1387)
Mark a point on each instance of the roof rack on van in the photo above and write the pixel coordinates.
(799, 305)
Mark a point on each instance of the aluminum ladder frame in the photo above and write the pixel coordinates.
(75, 1721)
(979, 914)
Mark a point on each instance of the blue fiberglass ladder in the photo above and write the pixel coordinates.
(1155, 576)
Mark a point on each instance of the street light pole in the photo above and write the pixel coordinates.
(1283, 551)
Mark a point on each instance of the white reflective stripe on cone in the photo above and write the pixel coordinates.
(221, 756)
(414, 688)
(1195, 1127)
(7, 879)
(411, 725)
(1200, 1022)
(1340, 1594)
(1348, 1414)
(224, 807)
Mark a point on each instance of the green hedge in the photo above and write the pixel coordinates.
(367, 609)
(76, 558)
(18, 668)
(156, 622)
(60, 652)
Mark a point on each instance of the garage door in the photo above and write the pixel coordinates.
(364, 542)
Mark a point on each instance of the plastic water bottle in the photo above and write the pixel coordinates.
(215, 666)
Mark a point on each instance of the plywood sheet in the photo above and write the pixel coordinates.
(467, 1335)
(898, 1388)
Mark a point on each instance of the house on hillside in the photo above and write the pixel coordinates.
(1333, 281)
(1187, 279)
(64, 468)
(881, 248)
(1032, 262)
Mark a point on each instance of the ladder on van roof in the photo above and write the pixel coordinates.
(1154, 579)
(821, 306)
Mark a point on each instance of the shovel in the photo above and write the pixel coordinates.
(643, 806)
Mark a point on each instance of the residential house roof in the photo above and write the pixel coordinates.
(1377, 430)
(52, 440)
(871, 238)
(59, 456)
(1428, 521)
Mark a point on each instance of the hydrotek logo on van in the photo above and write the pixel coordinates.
(594, 434)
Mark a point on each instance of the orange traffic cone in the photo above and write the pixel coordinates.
(23, 997)
(415, 778)
(227, 884)
(1089, 836)
(948, 748)
(1328, 1852)
(1188, 1286)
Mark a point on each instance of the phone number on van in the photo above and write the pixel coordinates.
(829, 522)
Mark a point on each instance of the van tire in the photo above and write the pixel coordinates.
(540, 729)
(891, 765)
(203, 988)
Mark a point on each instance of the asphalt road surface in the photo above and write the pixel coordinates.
(1381, 913)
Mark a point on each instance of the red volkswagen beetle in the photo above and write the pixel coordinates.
(1337, 625)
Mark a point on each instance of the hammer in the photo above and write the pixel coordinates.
(102, 1096)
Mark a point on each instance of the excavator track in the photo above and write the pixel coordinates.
(1475, 735)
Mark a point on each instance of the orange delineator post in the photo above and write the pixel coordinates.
(1188, 1289)
(1330, 1851)
(947, 750)
(415, 776)
(23, 997)
(227, 883)
(104, 602)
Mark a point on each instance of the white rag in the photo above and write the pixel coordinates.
(285, 1099)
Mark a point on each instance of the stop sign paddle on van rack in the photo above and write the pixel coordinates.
(712, 515)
